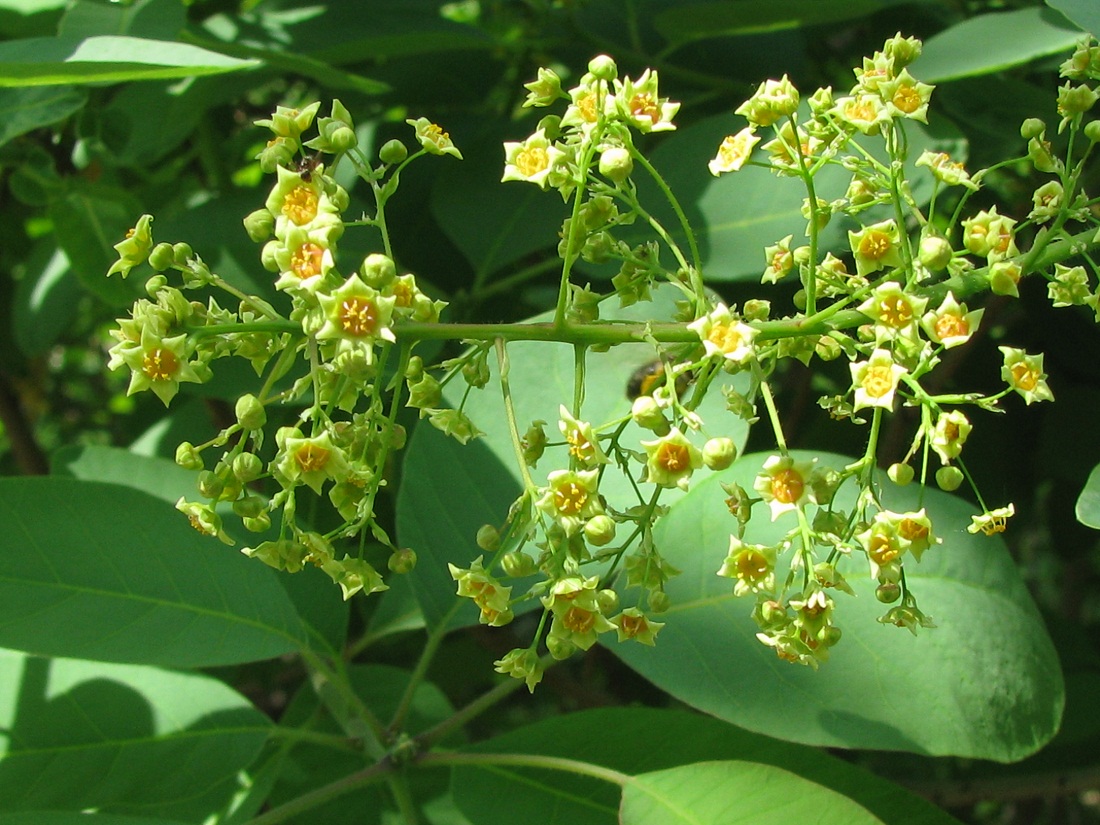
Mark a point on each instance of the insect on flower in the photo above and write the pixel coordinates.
(650, 376)
(306, 166)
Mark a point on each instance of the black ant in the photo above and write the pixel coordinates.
(307, 165)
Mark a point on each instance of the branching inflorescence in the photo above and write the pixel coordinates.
(891, 304)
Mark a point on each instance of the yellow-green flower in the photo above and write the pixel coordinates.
(751, 566)
(1024, 373)
(876, 247)
(671, 460)
(734, 151)
(135, 248)
(571, 498)
(876, 380)
(531, 160)
(784, 484)
(434, 140)
(356, 316)
(159, 364)
(722, 335)
(952, 324)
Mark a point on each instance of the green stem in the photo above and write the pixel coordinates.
(422, 664)
(326, 793)
(529, 760)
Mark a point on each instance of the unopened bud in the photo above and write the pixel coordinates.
(949, 478)
(393, 152)
(719, 453)
(402, 561)
(251, 414)
(599, 530)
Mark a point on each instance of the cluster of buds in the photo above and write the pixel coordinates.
(340, 324)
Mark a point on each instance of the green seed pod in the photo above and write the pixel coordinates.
(900, 474)
(888, 592)
(949, 478)
(658, 601)
(402, 561)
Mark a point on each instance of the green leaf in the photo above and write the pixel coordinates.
(1088, 503)
(104, 572)
(78, 818)
(152, 19)
(88, 221)
(311, 766)
(45, 300)
(28, 109)
(985, 683)
(721, 18)
(315, 598)
(48, 61)
(499, 795)
(737, 215)
(78, 735)
(733, 793)
(460, 488)
(512, 219)
(1084, 13)
(994, 42)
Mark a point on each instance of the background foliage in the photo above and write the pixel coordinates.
(135, 644)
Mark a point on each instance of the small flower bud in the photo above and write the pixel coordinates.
(900, 474)
(1092, 131)
(182, 253)
(476, 372)
(599, 530)
(415, 368)
(398, 436)
(658, 601)
(259, 225)
(342, 139)
(210, 486)
(402, 561)
(488, 538)
(935, 252)
(756, 309)
(518, 565)
(257, 524)
(250, 413)
(378, 270)
(155, 284)
(799, 300)
(616, 164)
(888, 592)
(603, 67)
(560, 647)
(188, 457)
(1004, 277)
(160, 258)
(949, 478)
(247, 467)
(393, 152)
(647, 414)
(608, 601)
(248, 507)
(1032, 128)
(424, 393)
(267, 256)
(719, 453)
(534, 443)
(550, 127)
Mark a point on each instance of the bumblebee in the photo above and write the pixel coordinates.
(648, 377)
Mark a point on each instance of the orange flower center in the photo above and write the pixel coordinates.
(725, 337)
(358, 316)
(787, 486)
(300, 205)
(311, 457)
(579, 620)
(306, 260)
(159, 364)
(912, 530)
(1024, 377)
(532, 160)
(879, 381)
(884, 549)
(907, 99)
(752, 566)
(643, 105)
(673, 458)
(895, 311)
(951, 326)
(570, 498)
(632, 625)
(875, 244)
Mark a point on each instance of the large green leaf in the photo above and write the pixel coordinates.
(316, 599)
(76, 735)
(645, 740)
(104, 572)
(455, 489)
(28, 109)
(77, 818)
(736, 216)
(45, 300)
(1088, 503)
(994, 42)
(48, 61)
(985, 682)
(1085, 13)
(737, 793)
(723, 18)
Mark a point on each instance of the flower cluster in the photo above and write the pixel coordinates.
(340, 325)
